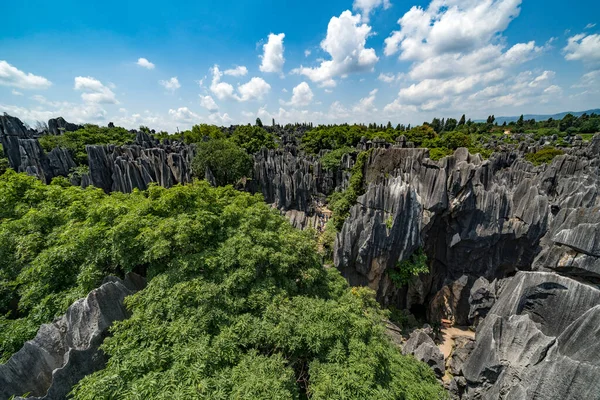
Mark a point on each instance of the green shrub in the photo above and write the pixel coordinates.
(227, 161)
(340, 203)
(543, 156)
(76, 141)
(252, 138)
(332, 159)
(405, 270)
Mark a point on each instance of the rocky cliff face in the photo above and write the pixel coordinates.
(473, 217)
(65, 351)
(540, 340)
(112, 168)
(297, 184)
(124, 168)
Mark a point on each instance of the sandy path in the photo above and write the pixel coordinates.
(449, 334)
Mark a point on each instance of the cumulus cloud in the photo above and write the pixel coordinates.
(457, 51)
(171, 85)
(254, 89)
(144, 63)
(222, 90)
(94, 92)
(345, 43)
(272, 58)
(307, 53)
(450, 26)
(584, 48)
(366, 6)
(302, 96)
(209, 103)
(366, 104)
(237, 71)
(12, 76)
(183, 114)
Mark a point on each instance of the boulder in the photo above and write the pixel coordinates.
(423, 348)
(66, 350)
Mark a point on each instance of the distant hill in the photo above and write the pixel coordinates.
(539, 117)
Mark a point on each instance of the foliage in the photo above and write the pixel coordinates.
(4, 164)
(253, 138)
(339, 136)
(543, 156)
(437, 153)
(341, 202)
(76, 141)
(237, 306)
(201, 132)
(327, 241)
(421, 133)
(227, 161)
(405, 270)
(332, 159)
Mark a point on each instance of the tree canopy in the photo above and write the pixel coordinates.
(238, 304)
(227, 161)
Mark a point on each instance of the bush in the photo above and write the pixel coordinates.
(76, 141)
(543, 156)
(405, 270)
(227, 161)
(332, 159)
(253, 138)
(341, 202)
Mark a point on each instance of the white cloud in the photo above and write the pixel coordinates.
(16, 93)
(144, 63)
(11, 76)
(584, 48)
(222, 90)
(450, 26)
(255, 89)
(208, 102)
(237, 71)
(366, 104)
(590, 26)
(272, 58)
(78, 113)
(389, 77)
(366, 6)
(171, 85)
(94, 92)
(345, 42)
(184, 114)
(307, 53)
(302, 96)
(589, 79)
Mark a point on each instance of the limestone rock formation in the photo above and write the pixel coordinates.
(57, 126)
(66, 350)
(124, 168)
(423, 348)
(540, 340)
(474, 218)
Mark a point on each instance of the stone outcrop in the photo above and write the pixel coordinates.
(297, 183)
(473, 218)
(66, 350)
(25, 154)
(58, 126)
(423, 348)
(124, 168)
(539, 340)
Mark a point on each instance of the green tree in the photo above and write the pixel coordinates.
(227, 161)
(462, 120)
(202, 131)
(253, 138)
(259, 122)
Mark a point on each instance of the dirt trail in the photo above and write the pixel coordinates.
(449, 334)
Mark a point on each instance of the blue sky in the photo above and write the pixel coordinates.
(171, 65)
